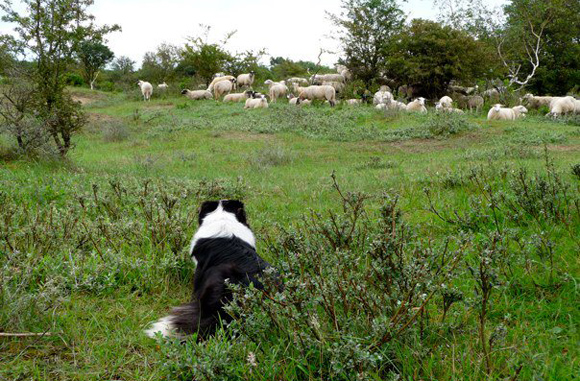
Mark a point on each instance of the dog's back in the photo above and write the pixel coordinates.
(224, 249)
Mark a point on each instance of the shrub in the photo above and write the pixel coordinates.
(74, 79)
(446, 124)
(114, 132)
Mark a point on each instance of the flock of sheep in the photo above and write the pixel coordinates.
(324, 87)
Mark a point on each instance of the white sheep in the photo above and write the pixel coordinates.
(238, 97)
(446, 102)
(163, 86)
(222, 88)
(256, 103)
(297, 81)
(562, 106)
(318, 79)
(535, 102)
(338, 86)
(318, 92)
(146, 90)
(417, 105)
(343, 70)
(382, 96)
(353, 102)
(500, 113)
(219, 79)
(277, 89)
(245, 80)
(440, 108)
(196, 94)
(576, 106)
(392, 105)
(492, 95)
(294, 101)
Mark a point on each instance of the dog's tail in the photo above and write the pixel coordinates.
(185, 320)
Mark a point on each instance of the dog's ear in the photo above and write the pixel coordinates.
(237, 208)
(206, 208)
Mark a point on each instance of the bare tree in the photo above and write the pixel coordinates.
(531, 40)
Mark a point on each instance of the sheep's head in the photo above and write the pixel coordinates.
(421, 101)
(438, 106)
(528, 96)
(496, 107)
(184, 91)
(268, 82)
(521, 109)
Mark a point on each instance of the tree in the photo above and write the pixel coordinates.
(428, 55)
(94, 56)
(159, 66)
(367, 28)
(205, 57)
(50, 33)
(123, 65)
(542, 37)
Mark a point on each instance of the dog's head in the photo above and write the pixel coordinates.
(234, 207)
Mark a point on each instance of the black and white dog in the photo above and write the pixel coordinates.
(224, 248)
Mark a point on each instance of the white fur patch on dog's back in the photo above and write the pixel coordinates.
(222, 224)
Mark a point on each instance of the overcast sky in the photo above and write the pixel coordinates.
(294, 29)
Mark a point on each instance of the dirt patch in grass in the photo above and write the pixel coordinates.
(564, 148)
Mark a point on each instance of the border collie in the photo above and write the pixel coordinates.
(224, 248)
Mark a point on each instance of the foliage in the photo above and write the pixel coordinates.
(444, 124)
(141, 179)
(160, 66)
(429, 55)
(51, 31)
(206, 58)
(366, 31)
(93, 55)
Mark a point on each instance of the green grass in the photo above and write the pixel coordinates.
(93, 266)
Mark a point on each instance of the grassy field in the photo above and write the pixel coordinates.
(94, 248)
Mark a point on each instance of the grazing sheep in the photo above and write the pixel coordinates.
(256, 103)
(534, 102)
(318, 92)
(392, 105)
(294, 101)
(446, 102)
(576, 106)
(417, 105)
(222, 88)
(219, 79)
(440, 108)
(353, 102)
(163, 86)
(471, 102)
(146, 90)
(499, 113)
(318, 79)
(277, 89)
(297, 81)
(238, 97)
(562, 106)
(382, 96)
(338, 86)
(245, 80)
(492, 95)
(343, 70)
(196, 94)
